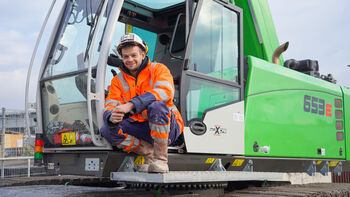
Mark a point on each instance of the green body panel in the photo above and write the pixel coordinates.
(264, 22)
(275, 117)
(346, 116)
(261, 74)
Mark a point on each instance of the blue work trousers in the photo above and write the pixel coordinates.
(157, 114)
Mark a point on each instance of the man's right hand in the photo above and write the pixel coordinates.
(116, 117)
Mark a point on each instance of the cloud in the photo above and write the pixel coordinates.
(20, 26)
(23, 14)
(12, 88)
(15, 49)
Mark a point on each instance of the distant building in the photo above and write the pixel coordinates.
(15, 121)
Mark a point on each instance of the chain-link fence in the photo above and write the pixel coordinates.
(17, 143)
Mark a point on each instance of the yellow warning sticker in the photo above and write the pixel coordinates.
(68, 138)
(210, 160)
(318, 162)
(333, 163)
(128, 28)
(139, 160)
(238, 162)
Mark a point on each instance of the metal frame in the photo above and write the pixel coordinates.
(12, 159)
(102, 60)
(53, 39)
(173, 37)
(26, 105)
(48, 51)
(101, 66)
(72, 162)
(183, 80)
(97, 140)
(64, 75)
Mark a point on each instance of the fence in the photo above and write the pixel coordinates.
(17, 145)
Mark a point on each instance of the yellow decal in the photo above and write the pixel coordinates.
(333, 163)
(128, 28)
(210, 160)
(318, 162)
(238, 162)
(139, 160)
(68, 138)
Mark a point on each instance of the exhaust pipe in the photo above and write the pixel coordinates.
(276, 55)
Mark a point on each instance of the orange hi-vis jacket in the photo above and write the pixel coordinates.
(154, 82)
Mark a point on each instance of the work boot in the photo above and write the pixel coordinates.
(146, 150)
(160, 155)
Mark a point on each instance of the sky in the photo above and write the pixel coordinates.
(315, 29)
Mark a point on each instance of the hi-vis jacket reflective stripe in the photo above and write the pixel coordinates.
(154, 83)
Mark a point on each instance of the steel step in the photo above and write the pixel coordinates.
(196, 177)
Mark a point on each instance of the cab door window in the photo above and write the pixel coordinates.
(215, 43)
(213, 79)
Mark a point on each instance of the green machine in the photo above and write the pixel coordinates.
(244, 107)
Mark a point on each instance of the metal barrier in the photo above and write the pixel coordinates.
(13, 167)
(16, 147)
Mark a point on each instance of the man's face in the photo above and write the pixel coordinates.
(132, 58)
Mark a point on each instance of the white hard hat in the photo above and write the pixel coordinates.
(131, 37)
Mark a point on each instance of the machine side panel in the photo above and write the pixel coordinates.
(290, 114)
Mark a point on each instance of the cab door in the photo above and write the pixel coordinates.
(67, 98)
(212, 82)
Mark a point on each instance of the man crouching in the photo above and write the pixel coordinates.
(145, 91)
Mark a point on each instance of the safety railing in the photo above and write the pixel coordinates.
(16, 145)
(13, 166)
